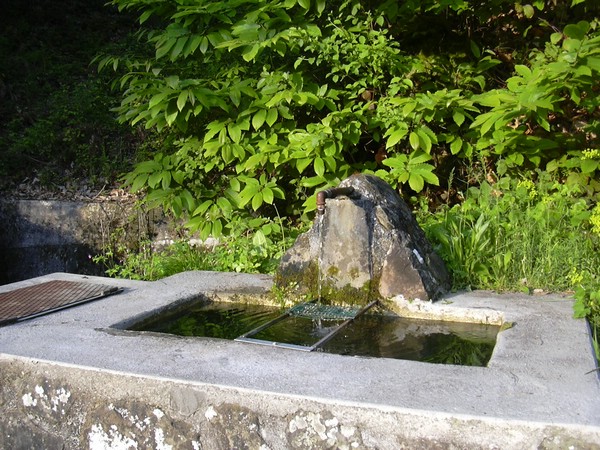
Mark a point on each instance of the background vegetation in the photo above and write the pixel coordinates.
(484, 116)
(57, 130)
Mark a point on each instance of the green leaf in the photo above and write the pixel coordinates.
(319, 166)
(154, 179)
(182, 100)
(253, 161)
(271, 116)
(224, 205)
(148, 166)
(458, 117)
(235, 95)
(555, 38)
(217, 228)
(204, 45)
(589, 165)
(171, 114)
(257, 201)
(189, 199)
(414, 140)
(166, 180)
(259, 119)
(235, 132)
(456, 145)
(268, 195)
(139, 182)
(250, 52)
(248, 194)
(302, 164)
(304, 3)
(418, 157)
(259, 239)
(320, 6)
(178, 47)
(424, 140)
(522, 70)
(397, 161)
(396, 136)
(145, 16)
(164, 48)
(158, 98)
(416, 182)
(577, 31)
(430, 177)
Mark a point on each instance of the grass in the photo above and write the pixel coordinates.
(519, 235)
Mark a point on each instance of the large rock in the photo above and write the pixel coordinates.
(365, 245)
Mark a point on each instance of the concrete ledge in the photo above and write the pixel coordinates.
(72, 380)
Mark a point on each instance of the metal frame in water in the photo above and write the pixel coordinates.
(311, 310)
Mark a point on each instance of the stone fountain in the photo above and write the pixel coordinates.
(82, 378)
(365, 243)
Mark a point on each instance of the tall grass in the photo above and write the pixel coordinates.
(519, 235)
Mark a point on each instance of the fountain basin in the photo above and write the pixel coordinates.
(375, 333)
(78, 378)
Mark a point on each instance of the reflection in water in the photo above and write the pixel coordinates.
(371, 335)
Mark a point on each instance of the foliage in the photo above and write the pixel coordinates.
(55, 118)
(519, 235)
(267, 101)
(249, 251)
(587, 305)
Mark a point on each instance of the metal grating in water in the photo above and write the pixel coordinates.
(313, 310)
(44, 298)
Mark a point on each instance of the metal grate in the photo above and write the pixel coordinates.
(318, 311)
(44, 298)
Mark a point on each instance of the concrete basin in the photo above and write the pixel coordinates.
(78, 379)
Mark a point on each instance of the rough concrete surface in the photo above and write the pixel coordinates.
(77, 379)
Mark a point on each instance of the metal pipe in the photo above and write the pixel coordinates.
(331, 193)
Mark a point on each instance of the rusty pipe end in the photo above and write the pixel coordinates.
(331, 193)
(321, 196)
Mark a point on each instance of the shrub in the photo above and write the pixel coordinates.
(267, 101)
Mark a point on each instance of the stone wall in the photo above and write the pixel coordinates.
(41, 237)
(50, 406)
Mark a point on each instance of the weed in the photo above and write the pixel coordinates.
(518, 235)
(249, 251)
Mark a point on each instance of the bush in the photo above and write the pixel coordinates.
(256, 250)
(267, 101)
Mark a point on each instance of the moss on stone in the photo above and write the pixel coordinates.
(302, 284)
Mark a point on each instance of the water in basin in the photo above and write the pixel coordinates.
(377, 334)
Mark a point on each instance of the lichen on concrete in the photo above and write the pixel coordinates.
(133, 424)
(307, 429)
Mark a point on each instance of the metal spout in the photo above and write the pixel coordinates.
(331, 193)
